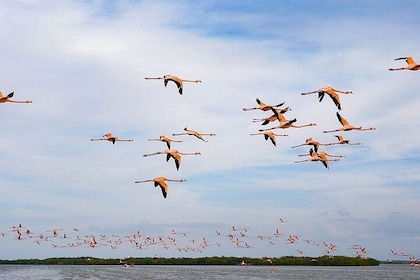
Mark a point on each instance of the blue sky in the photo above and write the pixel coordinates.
(83, 64)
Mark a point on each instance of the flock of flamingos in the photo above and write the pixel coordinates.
(236, 236)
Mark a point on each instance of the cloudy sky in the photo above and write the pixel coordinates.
(83, 65)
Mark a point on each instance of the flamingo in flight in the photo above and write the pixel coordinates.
(171, 153)
(342, 141)
(332, 92)
(412, 65)
(178, 81)
(194, 133)
(262, 106)
(4, 99)
(269, 135)
(273, 117)
(320, 156)
(165, 139)
(346, 126)
(315, 144)
(111, 138)
(161, 182)
(286, 123)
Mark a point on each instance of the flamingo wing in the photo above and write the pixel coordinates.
(163, 186)
(342, 120)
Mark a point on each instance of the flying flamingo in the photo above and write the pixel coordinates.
(269, 135)
(346, 126)
(317, 157)
(343, 141)
(286, 123)
(411, 64)
(333, 93)
(160, 181)
(310, 141)
(178, 81)
(262, 106)
(175, 154)
(194, 133)
(165, 139)
(4, 99)
(111, 138)
(273, 117)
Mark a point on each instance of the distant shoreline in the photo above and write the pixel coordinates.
(266, 261)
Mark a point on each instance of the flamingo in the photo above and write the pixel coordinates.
(310, 141)
(317, 157)
(262, 106)
(178, 81)
(346, 126)
(4, 99)
(175, 154)
(273, 117)
(343, 141)
(165, 139)
(161, 182)
(412, 65)
(111, 138)
(333, 93)
(269, 135)
(286, 123)
(194, 133)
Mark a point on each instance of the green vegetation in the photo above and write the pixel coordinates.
(287, 260)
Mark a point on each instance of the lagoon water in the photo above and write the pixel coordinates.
(103, 272)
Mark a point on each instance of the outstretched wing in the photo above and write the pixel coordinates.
(342, 120)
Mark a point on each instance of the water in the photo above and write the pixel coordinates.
(93, 272)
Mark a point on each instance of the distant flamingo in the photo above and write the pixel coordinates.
(175, 154)
(269, 135)
(194, 133)
(262, 106)
(160, 181)
(4, 99)
(315, 144)
(165, 139)
(346, 126)
(178, 81)
(412, 65)
(273, 117)
(333, 93)
(343, 141)
(111, 138)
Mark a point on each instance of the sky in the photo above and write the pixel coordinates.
(83, 64)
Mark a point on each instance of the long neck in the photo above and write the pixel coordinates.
(18, 101)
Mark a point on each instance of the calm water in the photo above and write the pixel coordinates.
(44, 272)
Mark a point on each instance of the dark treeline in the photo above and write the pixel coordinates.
(287, 260)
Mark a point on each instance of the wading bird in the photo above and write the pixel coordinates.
(273, 117)
(165, 139)
(262, 106)
(269, 135)
(175, 154)
(346, 126)
(343, 141)
(160, 181)
(111, 138)
(178, 81)
(320, 156)
(412, 65)
(4, 99)
(194, 133)
(286, 123)
(315, 144)
(333, 93)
